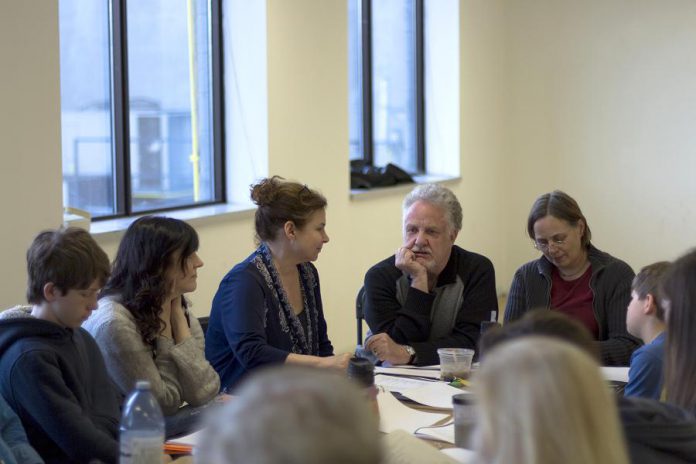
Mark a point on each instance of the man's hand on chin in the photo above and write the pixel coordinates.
(405, 260)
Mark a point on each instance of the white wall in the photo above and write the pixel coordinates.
(594, 97)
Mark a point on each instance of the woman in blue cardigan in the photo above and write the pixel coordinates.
(268, 308)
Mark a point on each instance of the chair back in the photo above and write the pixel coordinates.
(359, 315)
(204, 323)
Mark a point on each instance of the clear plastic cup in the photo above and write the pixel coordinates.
(455, 363)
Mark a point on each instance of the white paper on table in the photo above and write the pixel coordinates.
(191, 439)
(432, 367)
(445, 433)
(399, 384)
(403, 448)
(395, 416)
(615, 373)
(434, 394)
(461, 455)
(430, 373)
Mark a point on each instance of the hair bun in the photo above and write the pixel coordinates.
(265, 191)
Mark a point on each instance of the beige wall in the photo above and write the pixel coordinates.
(30, 173)
(602, 104)
(594, 97)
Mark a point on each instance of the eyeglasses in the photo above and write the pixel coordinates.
(543, 244)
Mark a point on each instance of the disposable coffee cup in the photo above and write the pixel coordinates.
(464, 410)
(455, 363)
(487, 325)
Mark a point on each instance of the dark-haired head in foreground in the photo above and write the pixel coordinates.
(541, 322)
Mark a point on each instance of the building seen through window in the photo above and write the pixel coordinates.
(139, 126)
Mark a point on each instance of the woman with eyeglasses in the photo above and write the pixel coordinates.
(574, 277)
(268, 308)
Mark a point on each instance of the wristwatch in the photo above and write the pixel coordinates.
(411, 352)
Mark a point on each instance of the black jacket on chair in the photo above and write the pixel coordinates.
(658, 433)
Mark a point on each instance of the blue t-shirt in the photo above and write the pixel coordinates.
(645, 373)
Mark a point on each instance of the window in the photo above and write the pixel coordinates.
(386, 96)
(140, 105)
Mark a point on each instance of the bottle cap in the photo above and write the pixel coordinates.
(142, 385)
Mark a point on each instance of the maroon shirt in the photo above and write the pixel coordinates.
(574, 299)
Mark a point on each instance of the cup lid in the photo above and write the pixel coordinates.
(463, 398)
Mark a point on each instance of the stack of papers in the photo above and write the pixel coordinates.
(435, 394)
(396, 416)
(432, 372)
(183, 445)
(403, 448)
(399, 384)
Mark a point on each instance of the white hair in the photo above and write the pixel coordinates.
(293, 415)
(544, 400)
(440, 196)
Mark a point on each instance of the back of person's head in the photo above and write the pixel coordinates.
(647, 282)
(293, 415)
(542, 322)
(150, 248)
(678, 293)
(280, 201)
(542, 400)
(68, 258)
(561, 206)
(440, 196)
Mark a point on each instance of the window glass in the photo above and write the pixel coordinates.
(394, 83)
(85, 83)
(355, 95)
(161, 154)
(170, 112)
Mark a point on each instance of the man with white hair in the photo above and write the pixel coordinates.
(431, 294)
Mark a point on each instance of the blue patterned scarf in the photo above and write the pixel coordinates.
(303, 342)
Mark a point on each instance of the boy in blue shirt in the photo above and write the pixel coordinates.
(645, 320)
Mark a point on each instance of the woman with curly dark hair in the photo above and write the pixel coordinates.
(143, 326)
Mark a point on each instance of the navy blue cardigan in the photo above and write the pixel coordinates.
(247, 328)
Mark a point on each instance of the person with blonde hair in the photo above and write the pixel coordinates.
(544, 401)
(294, 415)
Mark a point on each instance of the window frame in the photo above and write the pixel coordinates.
(366, 83)
(120, 112)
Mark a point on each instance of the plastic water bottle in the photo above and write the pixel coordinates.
(142, 428)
